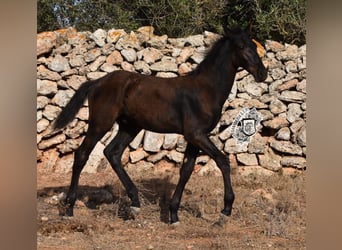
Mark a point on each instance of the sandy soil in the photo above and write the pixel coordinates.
(269, 212)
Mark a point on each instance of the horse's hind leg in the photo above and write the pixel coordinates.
(185, 173)
(113, 153)
(94, 134)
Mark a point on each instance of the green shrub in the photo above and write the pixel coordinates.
(267, 19)
(282, 20)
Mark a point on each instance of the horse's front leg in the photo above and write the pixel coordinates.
(207, 146)
(185, 173)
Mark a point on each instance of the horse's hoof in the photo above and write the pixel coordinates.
(65, 210)
(66, 217)
(135, 211)
(175, 224)
(221, 221)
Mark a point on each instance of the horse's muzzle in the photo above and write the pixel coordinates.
(261, 75)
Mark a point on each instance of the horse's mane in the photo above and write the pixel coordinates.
(218, 50)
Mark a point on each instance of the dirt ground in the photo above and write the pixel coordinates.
(268, 213)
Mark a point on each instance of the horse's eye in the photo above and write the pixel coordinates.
(241, 45)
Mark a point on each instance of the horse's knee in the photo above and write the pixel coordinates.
(112, 156)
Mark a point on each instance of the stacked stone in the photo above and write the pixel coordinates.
(67, 58)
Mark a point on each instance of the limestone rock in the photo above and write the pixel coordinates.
(184, 69)
(198, 56)
(128, 41)
(158, 42)
(293, 161)
(295, 126)
(166, 74)
(76, 130)
(62, 97)
(113, 35)
(286, 147)
(96, 159)
(195, 40)
(69, 146)
(42, 101)
(77, 61)
(291, 66)
(164, 66)
(185, 54)
(129, 54)
(42, 124)
(51, 141)
(92, 54)
(175, 156)
(45, 42)
(150, 55)
(301, 86)
(137, 155)
(288, 85)
(277, 106)
(276, 123)
(254, 89)
(277, 73)
(127, 66)
(270, 160)
(59, 64)
(301, 137)
(294, 112)
(115, 58)
(97, 63)
(158, 156)
(247, 159)
(95, 75)
(153, 141)
(231, 146)
(99, 37)
(145, 33)
(274, 46)
(75, 81)
(283, 134)
(170, 141)
(257, 144)
(137, 140)
(51, 112)
(292, 96)
(46, 87)
(142, 67)
(290, 53)
(83, 114)
(44, 74)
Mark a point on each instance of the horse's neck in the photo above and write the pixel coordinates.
(220, 77)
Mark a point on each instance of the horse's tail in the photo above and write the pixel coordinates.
(70, 110)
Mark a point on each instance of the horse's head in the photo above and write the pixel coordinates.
(246, 54)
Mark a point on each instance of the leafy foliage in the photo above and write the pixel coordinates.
(278, 20)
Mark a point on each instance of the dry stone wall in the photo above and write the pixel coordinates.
(66, 58)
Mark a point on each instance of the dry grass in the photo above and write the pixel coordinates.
(269, 213)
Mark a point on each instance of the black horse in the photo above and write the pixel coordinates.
(189, 105)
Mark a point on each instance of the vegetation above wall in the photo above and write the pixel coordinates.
(283, 21)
